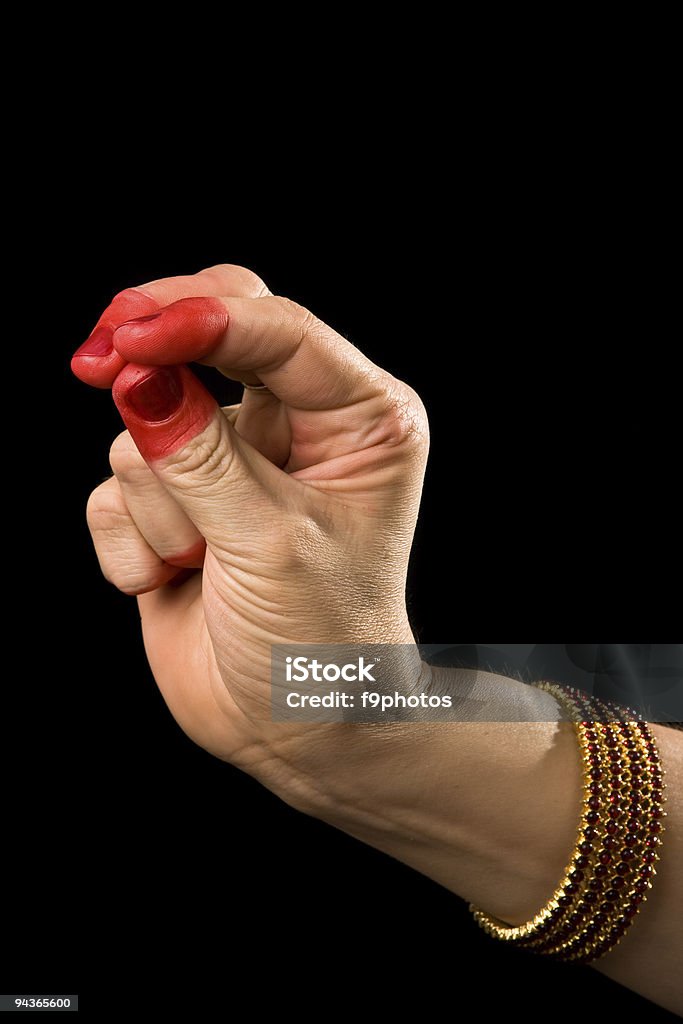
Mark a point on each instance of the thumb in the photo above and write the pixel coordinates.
(223, 484)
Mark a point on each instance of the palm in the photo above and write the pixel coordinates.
(209, 642)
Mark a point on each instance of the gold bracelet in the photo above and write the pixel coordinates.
(611, 870)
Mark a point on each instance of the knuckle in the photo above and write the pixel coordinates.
(296, 322)
(130, 577)
(106, 510)
(125, 295)
(124, 458)
(134, 580)
(296, 314)
(406, 419)
(203, 462)
(250, 280)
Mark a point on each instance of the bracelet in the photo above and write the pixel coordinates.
(613, 865)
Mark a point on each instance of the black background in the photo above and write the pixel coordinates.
(133, 857)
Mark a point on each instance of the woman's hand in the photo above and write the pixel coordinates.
(299, 504)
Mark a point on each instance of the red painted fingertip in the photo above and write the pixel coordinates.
(96, 362)
(163, 407)
(184, 331)
(100, 343)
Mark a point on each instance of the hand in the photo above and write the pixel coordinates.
(299, 504)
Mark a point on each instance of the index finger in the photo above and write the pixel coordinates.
(98, 363)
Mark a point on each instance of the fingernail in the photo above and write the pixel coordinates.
(100, 343)
(158, 396)
(164, 408)
(142, 319)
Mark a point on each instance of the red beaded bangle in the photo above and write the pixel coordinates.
(614, 863)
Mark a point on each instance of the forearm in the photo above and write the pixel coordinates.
(490, 810)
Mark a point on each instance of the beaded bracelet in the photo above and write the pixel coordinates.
(611, 870)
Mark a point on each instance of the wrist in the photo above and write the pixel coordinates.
(350, 771)
(487, 809)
